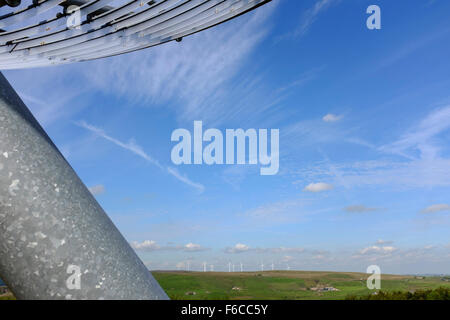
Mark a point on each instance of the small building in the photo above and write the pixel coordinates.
(323, 289)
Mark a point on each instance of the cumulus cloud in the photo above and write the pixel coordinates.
(238, 248)
(436, 208)
(97, 189)
(359, 209)
(383, 242)
(280, 250)
(193, 247)
(318, 187)
(148, 245)
(151, 245)
(377, 249)
(331, 118)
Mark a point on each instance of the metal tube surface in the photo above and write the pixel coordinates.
(56, 242)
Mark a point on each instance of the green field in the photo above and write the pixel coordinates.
(282, 284)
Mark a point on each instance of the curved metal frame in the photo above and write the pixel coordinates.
(129, 27)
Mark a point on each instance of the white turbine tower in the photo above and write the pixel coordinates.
(262, 266)
(233, 267)
(229, 266)
(242, 267)
(204, 266)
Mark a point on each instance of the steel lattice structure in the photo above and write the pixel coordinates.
(83, 30)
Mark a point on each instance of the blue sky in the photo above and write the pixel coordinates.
(364, 119)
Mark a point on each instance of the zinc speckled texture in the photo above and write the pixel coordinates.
(56, 242)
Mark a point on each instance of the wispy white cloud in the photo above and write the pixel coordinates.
(194, 73)
(409, 47)
(359, 209)
(174, 172)
(377, 249)
(151, 245)
(193, 247)
(423, 137)
(308, 18)
(303, 79)
(393, 174)
(277, 212)
(238, 248)
(130, 145)
(51, 107)
(311, 15)
(138, 150)
(436, 208)
(383, 242)
(404, 257)
(97, 189)
(421, 150)
(331, 117)
(311, 132)
(283, 250)
(241, 248)
(235, 175)
(54, 97)
(318, 187)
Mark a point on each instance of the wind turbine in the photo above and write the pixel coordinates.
(229, 266)
(204, 266)
(242, 267)
(262, 266)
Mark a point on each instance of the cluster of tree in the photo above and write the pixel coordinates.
(441, 293)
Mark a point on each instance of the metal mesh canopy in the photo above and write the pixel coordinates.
(50, 32)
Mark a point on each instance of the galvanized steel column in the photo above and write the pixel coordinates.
(56, 242)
